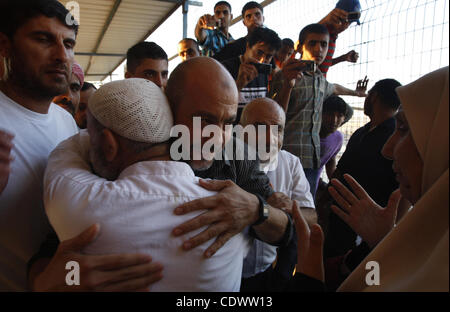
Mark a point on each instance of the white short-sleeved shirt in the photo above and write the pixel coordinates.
(289, 178)
(23, 223)
(136, 215)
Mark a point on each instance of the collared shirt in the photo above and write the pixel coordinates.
(23, 224)
(304, 116)
(289, 178)
(136, 213)
(215, 41)
(245, 173)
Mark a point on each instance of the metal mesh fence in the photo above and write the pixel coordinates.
(400, 39)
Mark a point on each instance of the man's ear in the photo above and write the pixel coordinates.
(109, 145)
(128, 75)
(5, 45)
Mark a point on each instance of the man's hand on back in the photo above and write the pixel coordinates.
(5, 158)
(228, 213)
(117, 272)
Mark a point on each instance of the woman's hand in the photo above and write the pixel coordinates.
(369, 220)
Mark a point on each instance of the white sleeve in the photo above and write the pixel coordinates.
(300, 188)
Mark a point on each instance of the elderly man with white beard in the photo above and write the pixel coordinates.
(286, 176)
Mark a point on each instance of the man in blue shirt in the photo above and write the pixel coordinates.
(212, 30)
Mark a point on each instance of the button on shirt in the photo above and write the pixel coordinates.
(288, 177)
(214, 42)
(304, 116)
(136, 215)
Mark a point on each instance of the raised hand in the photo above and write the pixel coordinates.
(247, 73)
(292, 71)
(361, 87)
(351, 56)
(207, 21)
(309, 246)
(368, 219)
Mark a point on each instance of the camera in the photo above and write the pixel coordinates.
(263, 68)
(353, 16)
(307, 66)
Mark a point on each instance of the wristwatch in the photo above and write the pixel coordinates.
(263, 211)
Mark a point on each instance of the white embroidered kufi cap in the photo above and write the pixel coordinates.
(135, 108)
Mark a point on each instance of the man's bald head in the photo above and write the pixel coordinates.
(263, 111)
(199, 75)
(202, 87)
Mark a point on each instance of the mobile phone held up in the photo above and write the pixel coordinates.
(263, 68)
(307, 66)
(353, 16)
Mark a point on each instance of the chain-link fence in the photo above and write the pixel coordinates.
(400, 39)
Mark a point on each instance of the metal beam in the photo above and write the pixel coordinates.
(99, 54)
(105, 28)
(150, 31)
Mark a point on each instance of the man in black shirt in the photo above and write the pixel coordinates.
(252, 83)
(362, 159)
(252, 17)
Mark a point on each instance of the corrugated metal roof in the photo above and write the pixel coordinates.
(112, 27)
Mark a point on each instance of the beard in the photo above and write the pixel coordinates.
(35, 84)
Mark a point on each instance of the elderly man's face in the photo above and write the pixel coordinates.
(70, 100)
(267, 117)
(215, 105)
(41, 55)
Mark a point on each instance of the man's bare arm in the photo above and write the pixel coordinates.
(360, 90)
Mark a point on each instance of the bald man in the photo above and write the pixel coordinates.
(287, 177)
(202, 87)
(236, 206)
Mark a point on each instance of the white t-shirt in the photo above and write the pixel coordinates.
(136, 215)
(23, 224)
(286, 176)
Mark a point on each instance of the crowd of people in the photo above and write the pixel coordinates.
(89, 176)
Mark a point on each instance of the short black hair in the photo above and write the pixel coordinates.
(144, 50)
(287, 42)
(87, 86)
(266, 35)
(385, 91)
(15, 13)
(336, 104)
(194, 41)
(222, 3)
(251, 5)
(311, 29)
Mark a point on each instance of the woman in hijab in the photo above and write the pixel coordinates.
(412, 255)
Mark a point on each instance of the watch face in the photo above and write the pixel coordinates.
(266, 211)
